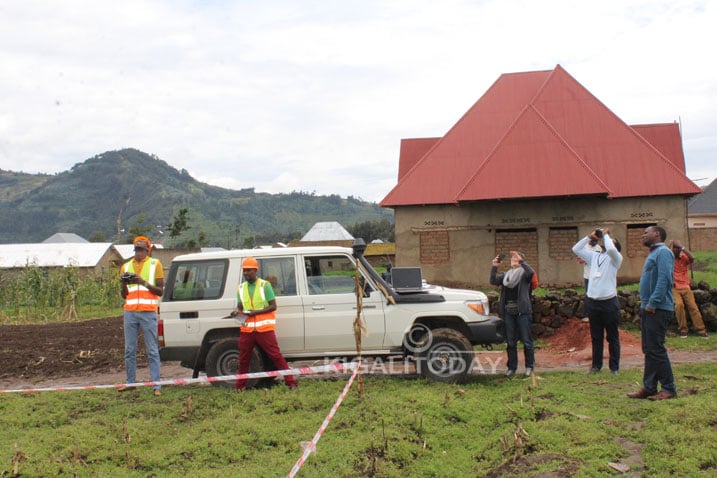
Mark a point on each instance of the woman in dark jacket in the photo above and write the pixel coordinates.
(516, 308)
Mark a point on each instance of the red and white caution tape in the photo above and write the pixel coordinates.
(335, 367)
(311, 446)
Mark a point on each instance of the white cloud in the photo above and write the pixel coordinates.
(316, 96)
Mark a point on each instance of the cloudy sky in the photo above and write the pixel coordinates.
(308, 95)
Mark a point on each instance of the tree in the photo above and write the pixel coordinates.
(139, 228)
(370, 230)
(180, 223)
(97, 236)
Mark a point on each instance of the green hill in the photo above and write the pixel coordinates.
(129, 191)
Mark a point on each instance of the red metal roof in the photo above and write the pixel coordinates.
(666, 138)
(411, 151)
(540, 134)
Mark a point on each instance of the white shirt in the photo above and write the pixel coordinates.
(602, 283)
(586, 266)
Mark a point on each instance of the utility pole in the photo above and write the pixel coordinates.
(119, 220)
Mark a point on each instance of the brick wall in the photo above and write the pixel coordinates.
(435, 247)
(634, 246)
(561, 241)
(523, 240)
(703, 239)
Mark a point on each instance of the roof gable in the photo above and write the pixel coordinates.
(666, 138)
(327, 231)
(540, 134)
(65, 237)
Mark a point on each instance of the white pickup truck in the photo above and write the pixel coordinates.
(317, 302)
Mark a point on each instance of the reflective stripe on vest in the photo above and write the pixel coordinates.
(139, 298)
(262, 322)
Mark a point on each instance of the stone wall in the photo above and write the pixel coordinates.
(550, 311)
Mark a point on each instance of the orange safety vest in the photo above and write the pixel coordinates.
(139, 298)
(262, 322)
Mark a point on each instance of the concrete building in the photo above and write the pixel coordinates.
(535, 164)
(702, 218)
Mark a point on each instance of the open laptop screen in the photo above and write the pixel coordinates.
(406, 279)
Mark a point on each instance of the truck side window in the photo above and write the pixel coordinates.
(329, 275)
(196, 280)
(281, 273)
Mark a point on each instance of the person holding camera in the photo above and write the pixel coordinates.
(516, 308)
(682, 292)
(601, 297)
(592, 245)
(142, 285)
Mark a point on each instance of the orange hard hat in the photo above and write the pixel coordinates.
(250, 263)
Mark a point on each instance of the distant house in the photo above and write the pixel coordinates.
(535, 164)
(334, 234)
(327, 231)
(702, 219)
(71, 250)
(165, 256)
(91, 257)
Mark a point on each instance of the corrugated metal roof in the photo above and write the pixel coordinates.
(666, 138)
(52, 254)
(125, 250)
(65, 237)
(327, 231)
(411, 151)
(705, 203)
(540, 134)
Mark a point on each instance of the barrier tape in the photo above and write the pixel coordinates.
(311, 446)
(336, 367)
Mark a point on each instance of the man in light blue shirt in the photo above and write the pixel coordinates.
(657, 307)
(601, 296)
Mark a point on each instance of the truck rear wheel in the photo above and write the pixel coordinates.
(444, 355)
(223, 359)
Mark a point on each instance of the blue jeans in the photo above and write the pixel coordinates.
(657, 363)
(517, 327)
(604, 322)
(147, 321)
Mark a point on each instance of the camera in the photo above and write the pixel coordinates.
(501, 256)
(128, 277)
(598, 232)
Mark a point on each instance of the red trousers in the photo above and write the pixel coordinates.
(267, 342)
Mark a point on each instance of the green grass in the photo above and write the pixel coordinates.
(705, 267)
(27, 315)
(564, 421)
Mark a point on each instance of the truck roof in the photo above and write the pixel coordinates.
(260, 253)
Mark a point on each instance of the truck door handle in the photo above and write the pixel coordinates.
(317, 307)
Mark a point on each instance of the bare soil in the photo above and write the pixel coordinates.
(92, 352)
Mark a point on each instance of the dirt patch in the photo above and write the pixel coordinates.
(92, 351)
(30, 352)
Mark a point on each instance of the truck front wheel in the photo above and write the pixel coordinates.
(444, 355)
(223, 359)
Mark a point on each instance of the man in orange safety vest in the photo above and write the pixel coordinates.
(257, 302)
(142, 286)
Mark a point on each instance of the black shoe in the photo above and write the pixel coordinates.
(510, 373)
(593, 371)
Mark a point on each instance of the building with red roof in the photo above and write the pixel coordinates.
(536, 163)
